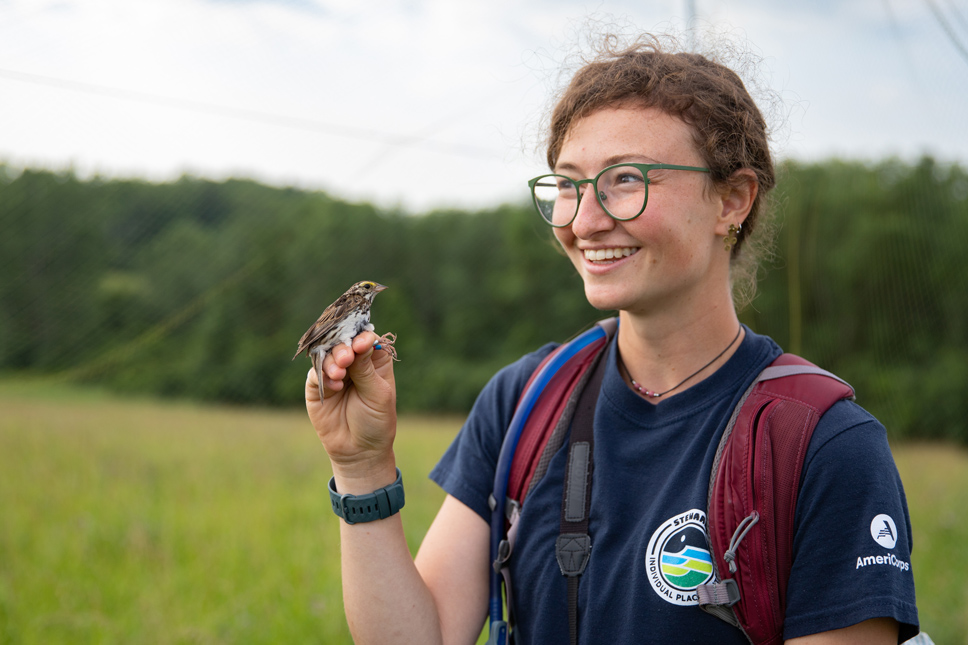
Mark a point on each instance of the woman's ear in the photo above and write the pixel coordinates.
(737, 198)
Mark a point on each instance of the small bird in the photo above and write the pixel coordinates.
(340, 323)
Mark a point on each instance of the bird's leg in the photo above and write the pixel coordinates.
(385, 342)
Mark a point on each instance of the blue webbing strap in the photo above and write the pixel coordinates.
(498, 626)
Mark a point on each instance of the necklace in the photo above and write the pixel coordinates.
(641, 390)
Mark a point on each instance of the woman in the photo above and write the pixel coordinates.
(659, 166)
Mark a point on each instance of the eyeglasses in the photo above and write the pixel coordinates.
(622, 191)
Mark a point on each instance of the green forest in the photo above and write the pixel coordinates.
(200, 289)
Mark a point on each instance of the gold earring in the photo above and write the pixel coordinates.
(731, 237)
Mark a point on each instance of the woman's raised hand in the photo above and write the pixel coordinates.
(356, 421)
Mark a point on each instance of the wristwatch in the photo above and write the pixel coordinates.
(378, 505)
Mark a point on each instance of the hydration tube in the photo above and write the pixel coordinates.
(498, 626)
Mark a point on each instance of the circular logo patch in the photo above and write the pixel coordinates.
(678, 559)
(884, 531)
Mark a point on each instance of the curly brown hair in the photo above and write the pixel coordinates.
(729, 131)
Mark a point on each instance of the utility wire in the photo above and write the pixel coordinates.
(908, 58)
(296, 123)
(956, 12)
(948, 30)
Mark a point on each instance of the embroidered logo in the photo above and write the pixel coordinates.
(678, 560)
(884, 531)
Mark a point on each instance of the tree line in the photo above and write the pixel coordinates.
(201, 289)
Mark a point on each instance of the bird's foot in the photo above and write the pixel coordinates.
(385, 342)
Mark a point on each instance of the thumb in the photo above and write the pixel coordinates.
(363, 372)
(372, 377)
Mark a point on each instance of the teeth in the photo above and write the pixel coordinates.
(598, 255)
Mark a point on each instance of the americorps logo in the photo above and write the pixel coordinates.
(884, 532)
(678, 560)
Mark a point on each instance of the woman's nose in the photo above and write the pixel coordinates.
(591, 218)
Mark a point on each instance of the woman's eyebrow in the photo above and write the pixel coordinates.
(565, 166)
(625, 158)
(611, 161)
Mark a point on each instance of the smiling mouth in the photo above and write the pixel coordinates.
(605, 255)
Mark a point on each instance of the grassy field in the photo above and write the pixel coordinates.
(125, 521)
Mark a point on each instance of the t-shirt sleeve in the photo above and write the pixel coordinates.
(466, 469)
(852, 545)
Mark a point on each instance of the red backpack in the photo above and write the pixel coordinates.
(752, 491)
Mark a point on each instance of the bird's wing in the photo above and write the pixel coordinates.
(329, 318)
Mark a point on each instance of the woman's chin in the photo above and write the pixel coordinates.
(604, 300)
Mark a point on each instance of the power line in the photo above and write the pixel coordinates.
(256, 116)
(691, 22)
(956, 12)
(948, 29)
(898, 35)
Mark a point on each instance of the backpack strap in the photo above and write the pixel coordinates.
(573, 546)
(753, 491)
(546, 396)
(547, 425)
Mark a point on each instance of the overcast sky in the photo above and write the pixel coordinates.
(427, 103)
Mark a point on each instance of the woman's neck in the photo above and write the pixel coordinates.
(666, 355)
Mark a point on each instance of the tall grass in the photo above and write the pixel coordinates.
(142, 522)
(936, 483)
(137, 521)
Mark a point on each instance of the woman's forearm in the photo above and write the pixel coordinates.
(386, 599)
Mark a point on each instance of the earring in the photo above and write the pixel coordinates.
(731, 237)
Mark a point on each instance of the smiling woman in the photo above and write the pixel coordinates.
(676, 263)
(659, 169)
(727, 132)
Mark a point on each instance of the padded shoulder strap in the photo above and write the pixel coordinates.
(538, 411)
(753, 492)
(555, 402)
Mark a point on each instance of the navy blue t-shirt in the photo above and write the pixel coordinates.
(852, 540)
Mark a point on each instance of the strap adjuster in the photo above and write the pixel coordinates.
(572, 551)
(720, 594)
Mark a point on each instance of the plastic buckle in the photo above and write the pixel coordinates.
(503, 553)
(498, 634)
(732, 592)
(512, 508)
(344, 509)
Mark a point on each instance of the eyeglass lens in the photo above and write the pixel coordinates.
(621, 190)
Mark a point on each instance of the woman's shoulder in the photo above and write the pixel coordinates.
(846, 423)
(500, 395)
(466, 470)
(521, 369)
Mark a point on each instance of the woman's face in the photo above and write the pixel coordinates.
(672, 254)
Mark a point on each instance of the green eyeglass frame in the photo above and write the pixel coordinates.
(644, 168)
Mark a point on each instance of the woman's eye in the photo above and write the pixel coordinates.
(629, 177)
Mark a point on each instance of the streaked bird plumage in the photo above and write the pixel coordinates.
(339, 324)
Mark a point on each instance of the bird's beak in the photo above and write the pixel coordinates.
(379, 287)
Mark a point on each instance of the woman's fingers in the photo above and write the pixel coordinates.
(338, 361)
(356, 420)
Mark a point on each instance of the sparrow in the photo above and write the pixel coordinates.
(340, 323)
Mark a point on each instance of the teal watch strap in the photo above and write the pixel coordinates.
(378, 505)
